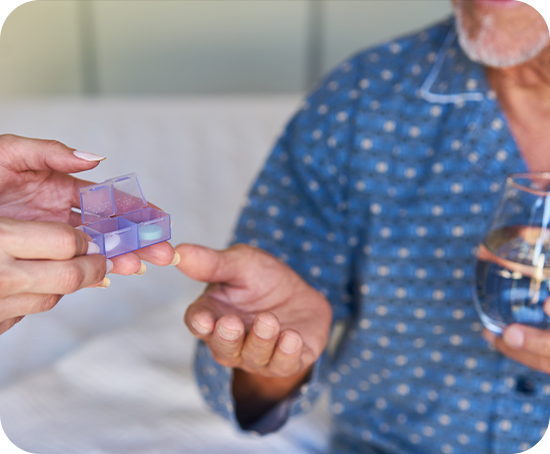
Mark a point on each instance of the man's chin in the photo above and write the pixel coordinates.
(492, 47)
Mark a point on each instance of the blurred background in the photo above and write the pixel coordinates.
(157, 47)
(191, 96)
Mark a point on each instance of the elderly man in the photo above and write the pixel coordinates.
(370, 207)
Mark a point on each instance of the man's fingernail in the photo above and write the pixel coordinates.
(92, 248)
(110, 266)
(87, 156)
(289, 344)
(105, 284)
(142, 270)
(262, 330)
(514, 337)
(176, 259)
(228, 334)
(199, 328)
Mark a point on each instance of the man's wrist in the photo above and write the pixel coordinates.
(256, 394)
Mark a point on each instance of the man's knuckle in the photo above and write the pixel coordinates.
(256, 356)
(254, 362)
(284, 368)
(224, 360)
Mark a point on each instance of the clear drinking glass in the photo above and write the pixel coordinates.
(512, 274)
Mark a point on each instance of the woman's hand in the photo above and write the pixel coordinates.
(40, 261)
(35, 185)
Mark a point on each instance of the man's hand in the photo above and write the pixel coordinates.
(258, 317)
(526, 345)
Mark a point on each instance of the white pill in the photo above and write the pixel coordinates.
(111, 242)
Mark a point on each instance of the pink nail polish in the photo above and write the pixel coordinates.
(92, 248)
(87, 156)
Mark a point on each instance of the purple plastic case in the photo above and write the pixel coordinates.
(116, 216)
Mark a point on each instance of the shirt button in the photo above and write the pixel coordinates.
(525, 386)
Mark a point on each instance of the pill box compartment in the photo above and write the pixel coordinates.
(153, 225)
(116, 216)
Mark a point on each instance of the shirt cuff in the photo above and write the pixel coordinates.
(215, 382)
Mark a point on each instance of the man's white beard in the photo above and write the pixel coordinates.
(480, 49)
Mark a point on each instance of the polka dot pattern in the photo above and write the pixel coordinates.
(377, 194)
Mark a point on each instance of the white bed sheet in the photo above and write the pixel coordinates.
(109, 371)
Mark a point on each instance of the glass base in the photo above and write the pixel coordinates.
(492, 325)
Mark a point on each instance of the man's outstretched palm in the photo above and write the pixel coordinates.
(256, 314)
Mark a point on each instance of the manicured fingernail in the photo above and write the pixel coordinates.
(92, 248)
(87, 156)
(227, 334)
(289, 344)
(105, 284)
(109, 266)
(262, 330)
(142, 270)
(199, 328)
(514, 337)
(176, 259)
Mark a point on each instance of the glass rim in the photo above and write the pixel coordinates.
(511, 180)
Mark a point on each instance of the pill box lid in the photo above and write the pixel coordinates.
(114, 196)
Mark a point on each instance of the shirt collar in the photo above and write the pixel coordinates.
(454, 78)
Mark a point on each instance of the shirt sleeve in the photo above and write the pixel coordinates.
(297, 211)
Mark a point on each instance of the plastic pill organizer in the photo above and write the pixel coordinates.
(116, 216)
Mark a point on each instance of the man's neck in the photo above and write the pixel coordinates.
(524, 94)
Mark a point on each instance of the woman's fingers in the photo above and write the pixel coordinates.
(161, 254)
(22, 154)
(126, 264)
(16, 306)
(55, 277)
(7, 324)
(42, 240)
